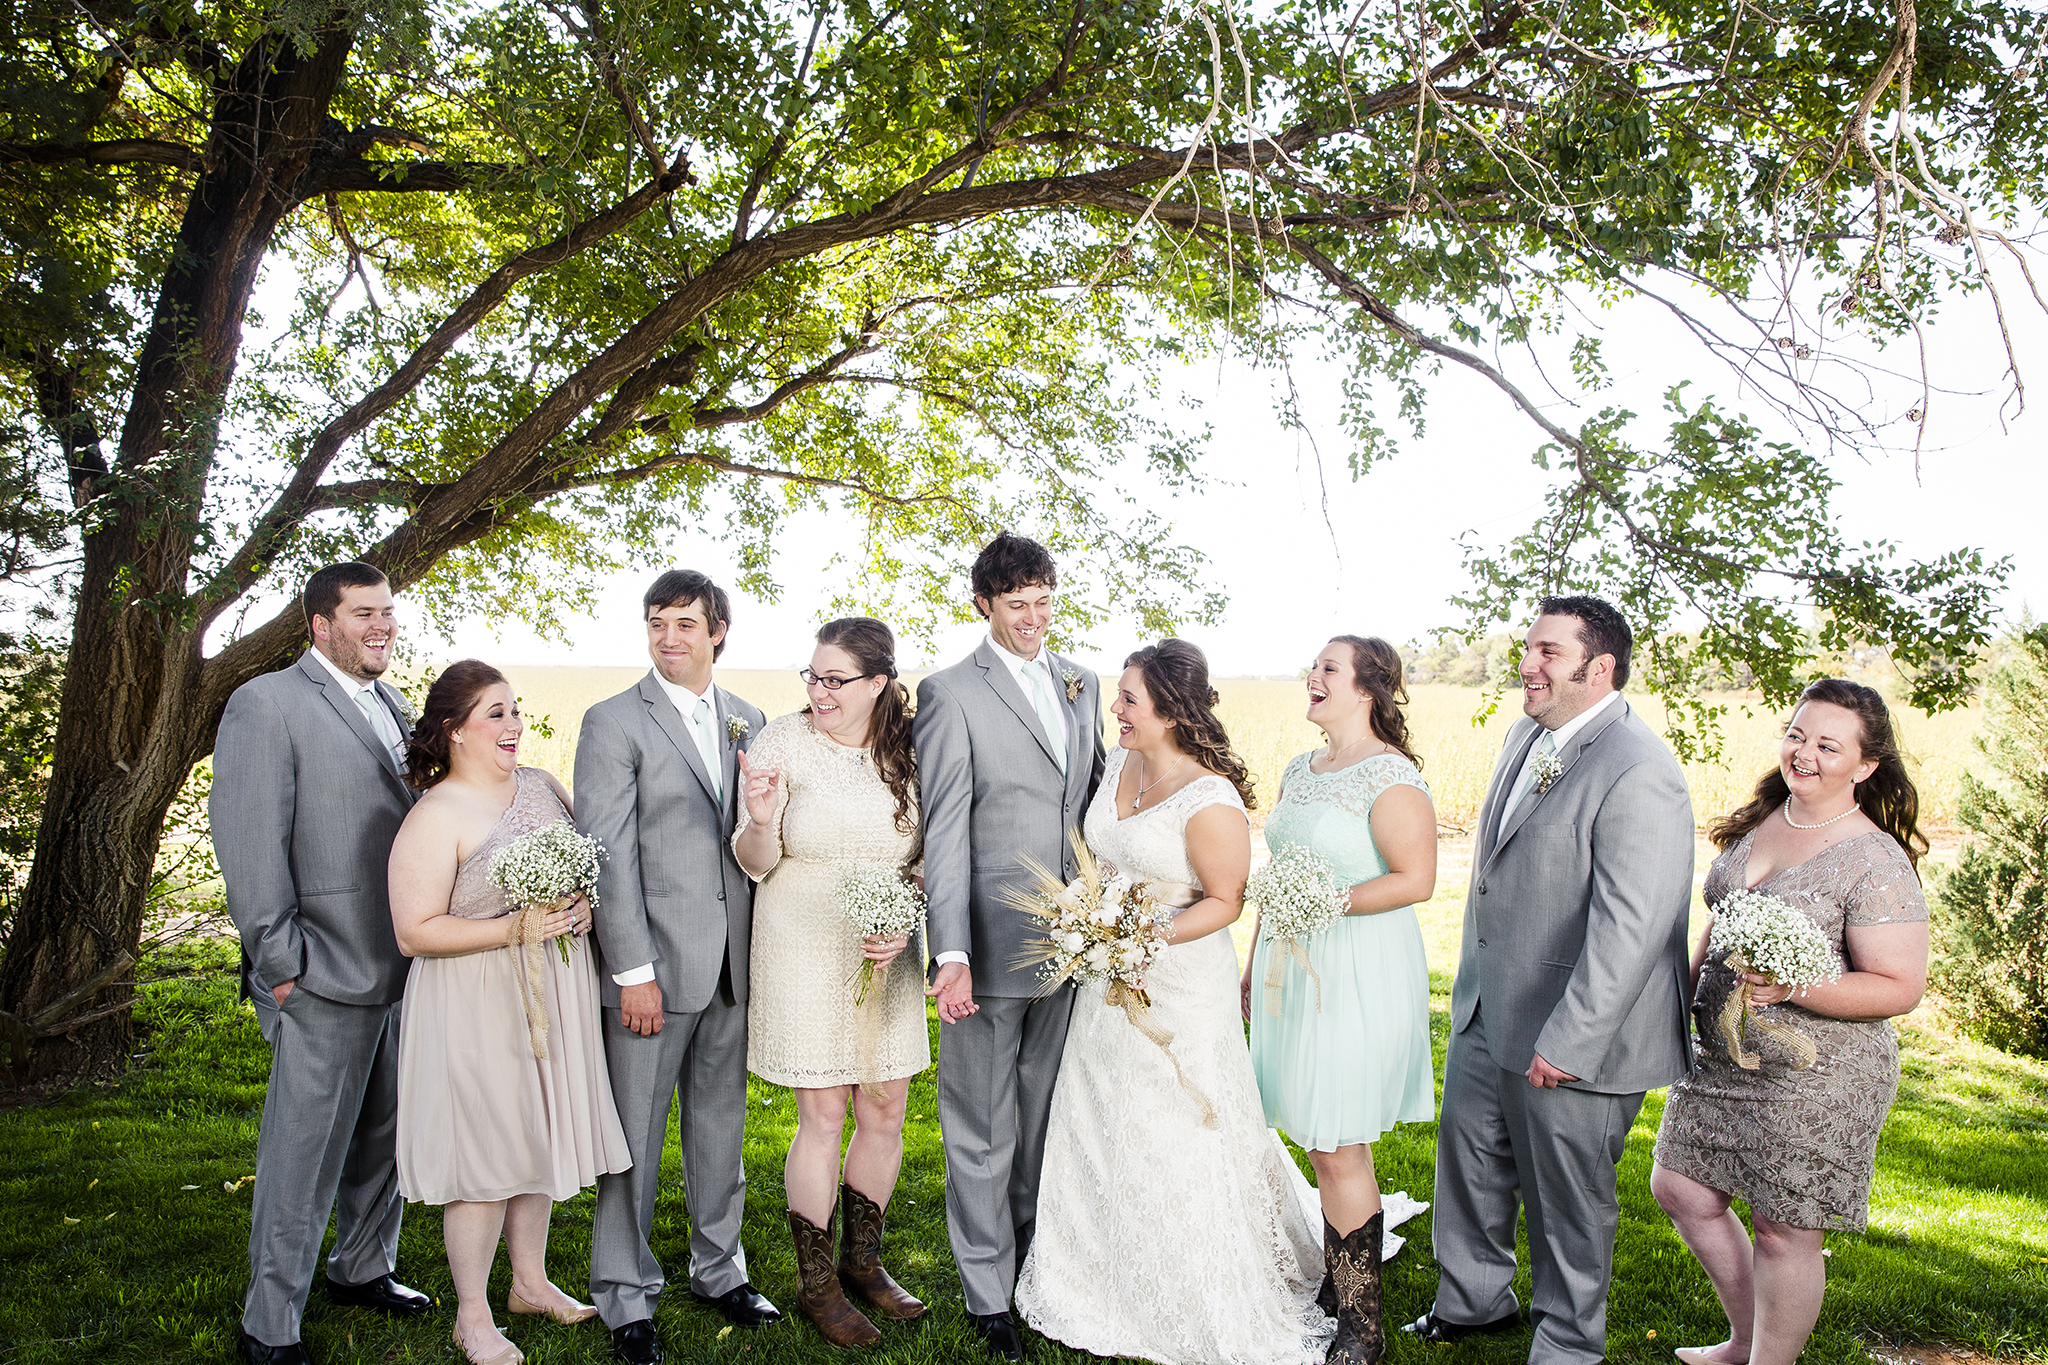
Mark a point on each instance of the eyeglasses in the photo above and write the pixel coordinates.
(829, 683)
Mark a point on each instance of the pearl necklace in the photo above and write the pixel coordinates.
(1786, 811)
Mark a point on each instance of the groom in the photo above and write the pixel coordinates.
(1571, 993)
(1009, 751)
(657, 769)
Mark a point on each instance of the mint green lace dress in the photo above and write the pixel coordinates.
(1346, 1073)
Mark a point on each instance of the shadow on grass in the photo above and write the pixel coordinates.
(122, 1244)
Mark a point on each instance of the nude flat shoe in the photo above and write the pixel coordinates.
(582, 1312)
(1696, 1355)
(511, 1355)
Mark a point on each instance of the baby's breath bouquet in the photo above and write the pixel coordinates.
(541, 869)
(1765, 936)
(1298, 897)
(879, 903)
(538, 872)
(1103, 927)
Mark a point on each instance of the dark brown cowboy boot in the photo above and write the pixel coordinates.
(1353, 1263)
(819, 1297)
(860, 1258)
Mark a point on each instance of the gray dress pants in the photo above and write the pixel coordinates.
(1500, 1140)
(996, 1072)
(700, 1060)
(328, 1146)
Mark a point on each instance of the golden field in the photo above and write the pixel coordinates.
(1264, 718)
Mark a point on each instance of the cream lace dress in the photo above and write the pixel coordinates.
(833, 812)
(1157, 1237)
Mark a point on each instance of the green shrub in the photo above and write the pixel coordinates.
(1992, 909)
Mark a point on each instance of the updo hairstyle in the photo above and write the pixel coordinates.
(449, 702)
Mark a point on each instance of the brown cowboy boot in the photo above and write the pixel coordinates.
(860, 1258)
(1353, 1263)
(819, 1297)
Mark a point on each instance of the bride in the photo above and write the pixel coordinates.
(1164, 1231)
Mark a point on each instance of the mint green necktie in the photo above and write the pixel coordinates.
(368, 702)
(1545, 746)
(1048, 709)
(707, 744)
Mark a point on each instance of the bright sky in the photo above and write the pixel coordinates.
(1394, 562)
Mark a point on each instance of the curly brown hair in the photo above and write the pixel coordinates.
(873, 647)
(1377, 673)
(1176, 677)
(449, 701)
(1887, 796)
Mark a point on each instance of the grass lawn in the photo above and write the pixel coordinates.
(121, 1243)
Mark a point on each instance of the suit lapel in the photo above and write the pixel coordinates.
(1567, 757)
(670, 722)
(352, 715)
(1080, 725)
(1005, 685)
(1494, 822)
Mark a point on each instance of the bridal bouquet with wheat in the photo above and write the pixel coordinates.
(540, 872)
(1298, 897)
(1103, 927)
(878, 903)
(1764, 936)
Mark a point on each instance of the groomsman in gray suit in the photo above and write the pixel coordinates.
(1571, 995)
(657, 778)
(308, 794)
(1009, 752)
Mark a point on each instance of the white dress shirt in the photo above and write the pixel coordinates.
(1559, 737)
(707, 745)
(1020, 669)
(381, 720)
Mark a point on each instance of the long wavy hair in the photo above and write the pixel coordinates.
(1887, 796)
(1176, 677)
(873, 647)
(449, 701)
(1377, 672)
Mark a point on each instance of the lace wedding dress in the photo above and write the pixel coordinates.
(1158, 1237)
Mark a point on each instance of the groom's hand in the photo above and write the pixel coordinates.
(953, 987)
(1543, 1074)
(640, 1008)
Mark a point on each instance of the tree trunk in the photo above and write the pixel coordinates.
(139, 705)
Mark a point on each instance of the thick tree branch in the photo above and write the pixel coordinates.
(247, 565)
(110, 152)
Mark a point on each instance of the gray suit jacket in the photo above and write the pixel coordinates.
(1576, 917)
(990, 791)
(669, 891)
(306, 801)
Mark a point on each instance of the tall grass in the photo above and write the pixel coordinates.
(1264, 717)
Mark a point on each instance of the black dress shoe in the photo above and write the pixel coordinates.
(1432, 1328)
(385, 1294)
(636, 1344)
(256, 1353)
(742, 1307)
(999, 1333)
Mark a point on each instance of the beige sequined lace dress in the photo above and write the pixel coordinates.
(1799, 1146)
(833, 813)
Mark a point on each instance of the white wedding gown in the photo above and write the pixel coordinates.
(1157, 1237)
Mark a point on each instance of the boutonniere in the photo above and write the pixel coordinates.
(736, 728)
(1073, 681)
(1549, 767)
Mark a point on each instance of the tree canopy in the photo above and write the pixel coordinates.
(549, 280)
